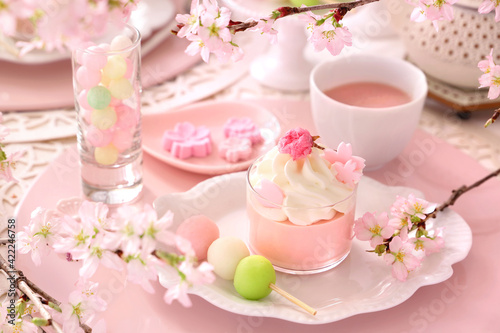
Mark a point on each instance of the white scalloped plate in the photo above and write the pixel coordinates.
(361, 284)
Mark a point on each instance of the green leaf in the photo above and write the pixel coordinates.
(55, 306)
(40, 321)
(3, 156)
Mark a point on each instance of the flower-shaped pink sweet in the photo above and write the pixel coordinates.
(235, 149)
(243, 127)
(297, 142)
(347, 168)
(347, 173)
(344, 154)
(187, 140)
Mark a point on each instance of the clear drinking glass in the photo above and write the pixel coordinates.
(298, 249)
(107, 89)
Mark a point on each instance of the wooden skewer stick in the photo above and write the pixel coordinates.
(293, 299)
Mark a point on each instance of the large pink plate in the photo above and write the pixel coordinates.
(466, 301)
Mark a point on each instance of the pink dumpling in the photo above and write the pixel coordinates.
(201, 232)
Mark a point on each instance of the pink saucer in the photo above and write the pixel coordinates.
(212, 114)
(428, 164)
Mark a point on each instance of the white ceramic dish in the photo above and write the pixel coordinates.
(361, 284)
(212, 114)
(149, 16)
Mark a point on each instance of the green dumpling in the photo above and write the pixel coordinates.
(253, 276)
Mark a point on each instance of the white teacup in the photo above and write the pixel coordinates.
(376, 134)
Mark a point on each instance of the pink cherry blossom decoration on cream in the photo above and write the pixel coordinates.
(186, 140)
(297, 142)
(347, 168)
(271, 195)
(243, 127)
(235, 149)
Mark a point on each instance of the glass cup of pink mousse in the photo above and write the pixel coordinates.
(301, 218)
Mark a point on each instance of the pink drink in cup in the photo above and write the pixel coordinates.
(301, 207)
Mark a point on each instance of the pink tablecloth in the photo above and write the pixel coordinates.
(468, 300)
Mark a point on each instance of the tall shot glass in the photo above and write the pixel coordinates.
(107, 89)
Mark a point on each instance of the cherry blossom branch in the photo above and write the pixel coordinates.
(287, 11)
(455, 194)
(494, 117)
(389, 236)
(30, 289)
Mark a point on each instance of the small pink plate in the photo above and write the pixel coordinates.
(212, 114)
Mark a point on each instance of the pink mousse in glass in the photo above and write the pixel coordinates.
(301, 200)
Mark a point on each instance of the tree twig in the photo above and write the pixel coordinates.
(30, 289)
(286, 11)
(455, 194)
(23, 286)
(494, 117)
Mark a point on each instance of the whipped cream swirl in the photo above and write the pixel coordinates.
(311, 191)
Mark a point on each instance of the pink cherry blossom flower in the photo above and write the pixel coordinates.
(8, 164)
(178, 292)
(229, 52)
(326, 32)
(265, 27)
(94, 214)
(23, 325)
(488, 5)
(331, 37)
(185, 247)
(310, 19)
(197, 274)
(127, 229)
(433, 10)
(407, 211)
(88, 290)
(190, 22)
(197, 46)
(428, 244)
(97, 253)
(416, 208)
(27, 243)
(401, 258)
(297, 142)
(75, 237)
(156, 230)
(373, 228)
(39, 235)
(80, 308)
(486, 65)
(491, 80)
(141, 269)
(13, 11)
